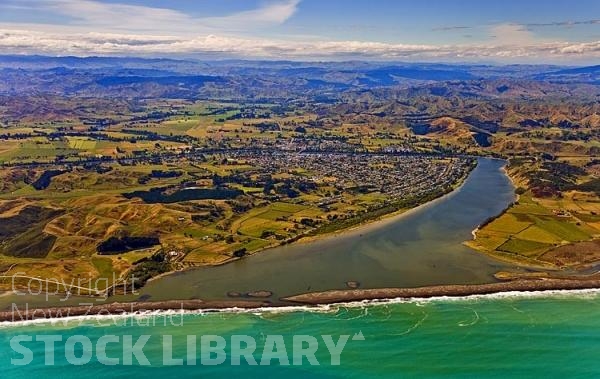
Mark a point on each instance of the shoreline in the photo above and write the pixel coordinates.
(304, 302)
(454, 290)
(381, 221)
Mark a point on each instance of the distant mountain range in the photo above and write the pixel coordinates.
(590, 74)
(169, 78)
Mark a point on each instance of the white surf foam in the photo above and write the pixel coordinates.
(101, 320)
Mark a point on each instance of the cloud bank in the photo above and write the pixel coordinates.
(27, 41)
(93, 28)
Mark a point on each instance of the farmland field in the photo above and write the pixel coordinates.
(523, 247)
(533, 228)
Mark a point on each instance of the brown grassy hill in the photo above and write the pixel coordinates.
(22, 230)
(450, 127)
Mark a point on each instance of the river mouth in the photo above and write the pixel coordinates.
(422, 248)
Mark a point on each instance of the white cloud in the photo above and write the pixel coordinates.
(512, 34)
(592, 48)
(274, 13)
(85, 15)
(26, 41)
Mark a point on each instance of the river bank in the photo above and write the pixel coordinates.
(377, 221)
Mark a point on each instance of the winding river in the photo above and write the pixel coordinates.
(421, 247)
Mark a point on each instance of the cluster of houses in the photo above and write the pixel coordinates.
(396, 176)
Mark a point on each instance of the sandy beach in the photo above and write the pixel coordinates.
(336, 296)
(23, 313)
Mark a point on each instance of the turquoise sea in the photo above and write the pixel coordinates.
(554, 335)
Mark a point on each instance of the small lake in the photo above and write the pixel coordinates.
(421, 248)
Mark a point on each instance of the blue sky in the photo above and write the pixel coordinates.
(467, 30)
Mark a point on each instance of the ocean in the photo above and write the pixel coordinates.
(547, 335)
